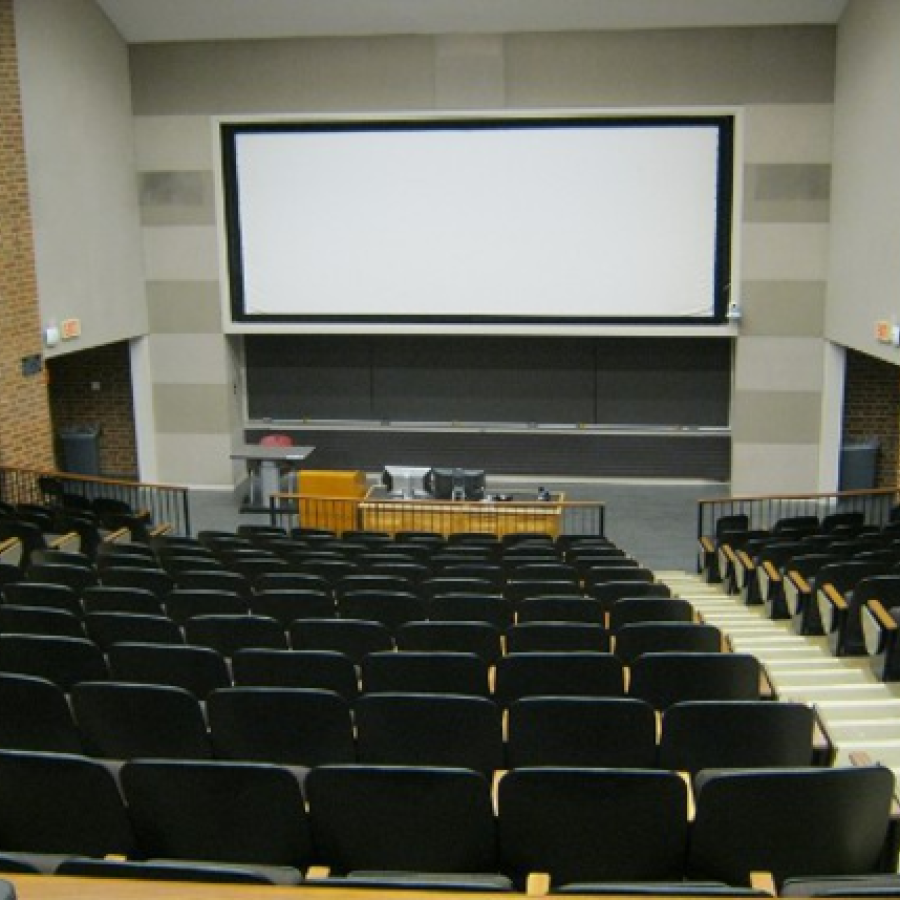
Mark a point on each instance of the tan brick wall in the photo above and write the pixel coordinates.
(872, 409)
(25, 427)
(93, 387)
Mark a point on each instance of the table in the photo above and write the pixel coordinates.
(497, 517)
(268, 463)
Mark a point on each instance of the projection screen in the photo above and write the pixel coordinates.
(514, 220)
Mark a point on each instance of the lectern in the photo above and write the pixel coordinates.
(267, 464)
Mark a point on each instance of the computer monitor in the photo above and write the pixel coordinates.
(406, 481)
(457, 484)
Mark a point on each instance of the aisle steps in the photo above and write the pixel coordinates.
(859, 712)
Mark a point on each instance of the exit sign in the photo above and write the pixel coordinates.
(69, 328)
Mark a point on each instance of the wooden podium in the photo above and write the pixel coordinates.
(330, 498)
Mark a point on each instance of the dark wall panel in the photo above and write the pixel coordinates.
(602, 381)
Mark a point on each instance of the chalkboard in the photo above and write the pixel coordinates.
(667, 382)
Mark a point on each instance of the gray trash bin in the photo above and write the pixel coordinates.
(81, 449)
(859, 463)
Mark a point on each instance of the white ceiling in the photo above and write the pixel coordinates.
(141, 21)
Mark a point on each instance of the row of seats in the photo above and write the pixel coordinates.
(661, 678)
(307, 727)
(647, 627)
(372, 597)
(581, 827)
(841, 586)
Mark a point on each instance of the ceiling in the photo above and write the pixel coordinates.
(139, 21)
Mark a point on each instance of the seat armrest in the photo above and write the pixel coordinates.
(763, 881)
(884, 619)
(538, 884)
(834, 597)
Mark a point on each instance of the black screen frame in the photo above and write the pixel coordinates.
(724, 125)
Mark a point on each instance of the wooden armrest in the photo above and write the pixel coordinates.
(763, 881)
(119, 536)
(11, 551)
(162, 528)
(745, 559)
(730, 552)
(71, 540)
(538, 884)
(884, 619)
(318, 873)
(773, 573)
(766, 686)
(834, 597)
(860, 758)
(801, 583)
(707, 544)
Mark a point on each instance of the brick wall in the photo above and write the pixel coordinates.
(25, 429)
(872, 409)
(93, 387)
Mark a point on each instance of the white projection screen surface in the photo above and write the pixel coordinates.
(552, 220)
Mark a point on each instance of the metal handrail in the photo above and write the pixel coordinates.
(163, 504)
(764, 511)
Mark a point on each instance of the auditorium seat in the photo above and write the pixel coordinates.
(557, 637)
(373, 821)
(792, 823)
(34, 715)
(314, 669)
(287, 605)
(560, 608)
(710, 734)
(492, 608)
(108, 628)
(411, 729)
(432, 672)
(607, 594)
(155, 580)
(875, 885)
(104, 598)
(443, 584)
(391, 608)
(122, 721)
(198, 670)
(835, 579)
(45, 596)
(480, 638)
(245, 814)
(666, 678)
(630, 610)
(517, 590)
(355, 638)
(565, 674)
(160, 870)
(585, 732)
(230, 633)
(224, 581)
(63, 660)
(841, 611)
(638, 638)
(75, 577)
(184, 603)
(592, 825)
(289, 726)
(56, 805)
(39, 620)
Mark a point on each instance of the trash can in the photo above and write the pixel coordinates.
(81, 449)
(859, 462)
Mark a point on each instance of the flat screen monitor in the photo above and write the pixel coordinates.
(406, 481)
(457, 484)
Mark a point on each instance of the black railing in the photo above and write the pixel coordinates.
(161, 504)
(764, 511)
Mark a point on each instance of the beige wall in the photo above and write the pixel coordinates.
(79, 141)
(864, 279)
(779, 81)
